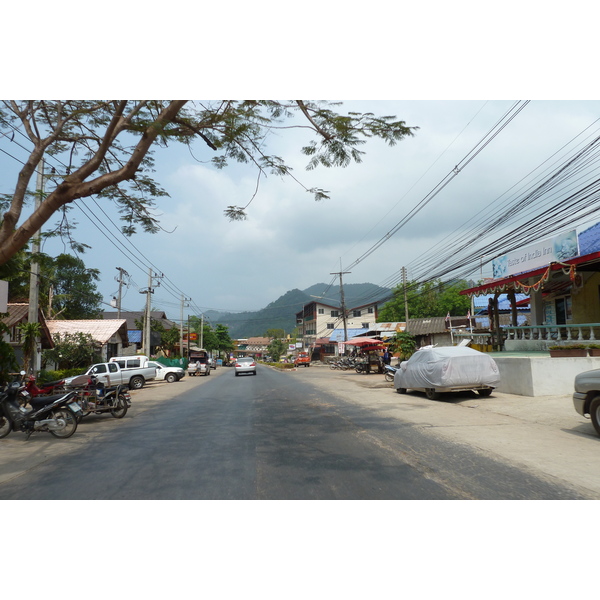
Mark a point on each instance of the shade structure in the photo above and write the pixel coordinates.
(364, 341)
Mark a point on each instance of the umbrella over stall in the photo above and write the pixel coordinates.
(364, 341)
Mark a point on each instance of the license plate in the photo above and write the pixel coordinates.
(75, 407)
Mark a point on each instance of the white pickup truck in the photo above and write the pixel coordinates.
(168, 374)
(111, 373)
(199, 364)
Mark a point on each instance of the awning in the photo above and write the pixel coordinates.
(521, 281)
(362, 341)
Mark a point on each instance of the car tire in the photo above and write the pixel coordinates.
(432, 394)
(595, 413)
(485, 393)
(236, 374)
(401, 390)
(171, 378)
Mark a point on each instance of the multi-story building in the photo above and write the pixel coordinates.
(319, 320)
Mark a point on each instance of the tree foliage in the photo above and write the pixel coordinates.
(8, 360)
(429, 299)
(72, 350)
(29, 335)
(74, 289)
(275, 349)
(104, 149)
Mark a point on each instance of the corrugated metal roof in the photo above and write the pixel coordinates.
(101, 330)
(427, 326)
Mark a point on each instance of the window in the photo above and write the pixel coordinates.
(330, 326)
(370, 310)
(356, 313)
(112, 367)
(366, 325)
(321, 311)
(335, 313)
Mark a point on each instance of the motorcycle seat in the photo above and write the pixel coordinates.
(52, 383)
(41, 401)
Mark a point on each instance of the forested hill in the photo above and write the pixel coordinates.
(281, 314)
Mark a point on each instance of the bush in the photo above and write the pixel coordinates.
(45, 376)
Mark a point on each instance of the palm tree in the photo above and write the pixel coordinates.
(30, 332)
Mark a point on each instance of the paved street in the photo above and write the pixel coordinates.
(310, 434)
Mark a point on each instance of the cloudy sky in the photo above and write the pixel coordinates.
(290, 241)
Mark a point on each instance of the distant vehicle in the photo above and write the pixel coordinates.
(302, 359)
(586, 398)
(438, 370)
(199, 363)
(213, 363)
(245, 364)
(168, 374)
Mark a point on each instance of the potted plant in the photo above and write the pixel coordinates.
(594, 349)
(572, 350)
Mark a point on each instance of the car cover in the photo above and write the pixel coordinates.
(444, 367)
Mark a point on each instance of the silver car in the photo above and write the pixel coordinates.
(586, 398)
(245, 364)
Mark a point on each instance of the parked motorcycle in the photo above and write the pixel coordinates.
(389, 372)
(97, 398)
(55, 414)
(44, 389)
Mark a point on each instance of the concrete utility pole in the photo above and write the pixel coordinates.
(183, 301)
(120, 282)
(405, 298)
(34, 274)
(147, 333)
(343, 303)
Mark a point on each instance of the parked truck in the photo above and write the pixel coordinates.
(111, 373)
(302, 359)
(199, 363)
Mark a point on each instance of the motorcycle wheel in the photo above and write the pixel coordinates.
(70, 423)
(120, 407)
(5, 426)
(389, 377)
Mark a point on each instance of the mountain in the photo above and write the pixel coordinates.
(281, 314)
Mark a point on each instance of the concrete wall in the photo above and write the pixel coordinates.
(541, 376)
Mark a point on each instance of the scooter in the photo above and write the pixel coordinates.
(45, 389)
(389, 372)
(55, 414)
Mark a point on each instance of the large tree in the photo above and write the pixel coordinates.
(75, 294)
(428, 299)
(104, 149)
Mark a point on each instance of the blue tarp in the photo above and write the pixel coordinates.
(134, 336)
(481, 302)
(338, 334)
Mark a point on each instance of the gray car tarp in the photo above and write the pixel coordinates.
(447, 367)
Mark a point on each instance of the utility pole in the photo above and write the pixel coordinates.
(202, 331)
(120, 282)
(34, 274)
(146, 333)
(183, 300)
(405, 298)
(343, 303)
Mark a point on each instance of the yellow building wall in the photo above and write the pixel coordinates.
(586, 302)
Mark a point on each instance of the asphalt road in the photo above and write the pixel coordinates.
(271, 436)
